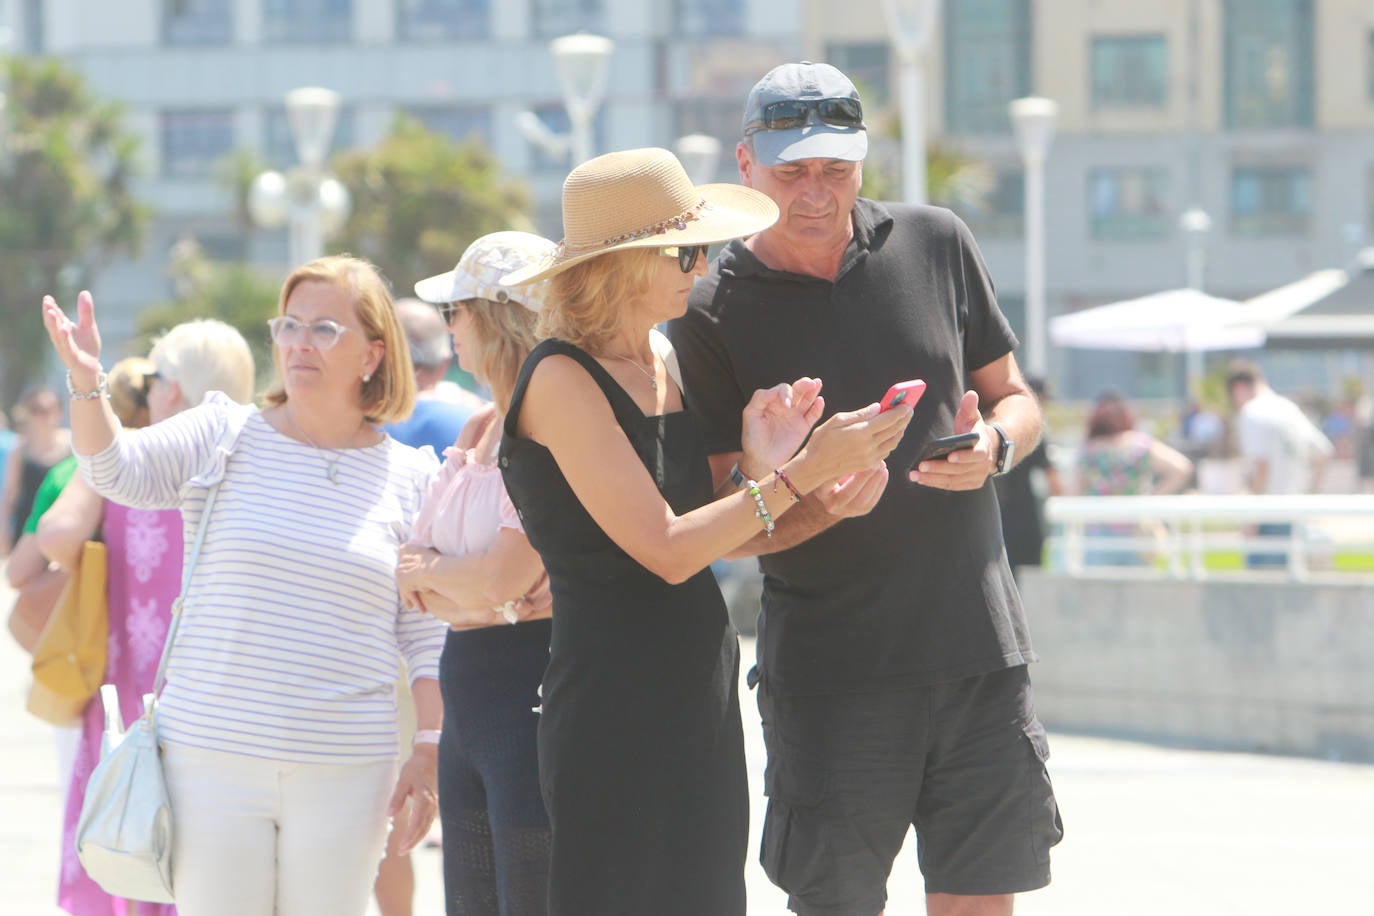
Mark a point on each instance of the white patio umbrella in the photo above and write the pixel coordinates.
(1176, 321)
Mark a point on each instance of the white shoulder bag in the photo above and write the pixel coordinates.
(124, 834)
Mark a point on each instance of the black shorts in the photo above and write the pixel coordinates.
(963, 761)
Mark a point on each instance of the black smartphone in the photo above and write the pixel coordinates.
(939, 448)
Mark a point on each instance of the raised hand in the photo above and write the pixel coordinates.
(967, 469)
(77, 342)
(777, 421)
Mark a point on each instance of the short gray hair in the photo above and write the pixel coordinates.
(205, 355)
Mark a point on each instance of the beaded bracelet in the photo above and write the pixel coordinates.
(101, 389)
(761, 512)
(779, 475)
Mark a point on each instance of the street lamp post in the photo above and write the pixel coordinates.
(699, 154)
(1033, 119)
(909, 22)
(1195, 224)
(582, 62)
(308, 199)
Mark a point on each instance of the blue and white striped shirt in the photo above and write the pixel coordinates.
(288, 648)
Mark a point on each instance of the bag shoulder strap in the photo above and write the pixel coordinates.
(160, 678)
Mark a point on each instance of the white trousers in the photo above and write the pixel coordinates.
(258, 837)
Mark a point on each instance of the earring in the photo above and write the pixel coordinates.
(367, 377)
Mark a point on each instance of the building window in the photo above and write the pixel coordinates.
(1129, 204)
(1001, 212)
(1270, 200)
(193, 141)
(555, 118)
(307, 22)
(459, 123)
(197, 22)
(442, 20)
(279, 148)
(1268, 61)
(869, 66)
(708, 18)
(1130, 71)
(552, 18)
(987, 63)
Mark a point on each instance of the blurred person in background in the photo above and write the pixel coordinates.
(441, 408)
(9, 441)
(43, 442)
(470, 564)
(1117, 459)
(1021, 496)
(278, 720)
(37, 580)
(143, 560)
(1283, 450)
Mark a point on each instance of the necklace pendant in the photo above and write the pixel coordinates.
(331, 473)
(653, 384)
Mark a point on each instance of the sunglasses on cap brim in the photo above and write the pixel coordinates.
(793, 113)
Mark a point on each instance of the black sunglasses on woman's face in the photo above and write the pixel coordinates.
(686, 255)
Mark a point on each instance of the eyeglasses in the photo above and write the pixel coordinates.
(792, 113)
(686, 255)
(447, 311)
(288, 332)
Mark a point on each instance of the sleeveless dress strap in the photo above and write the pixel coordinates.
(625, 409)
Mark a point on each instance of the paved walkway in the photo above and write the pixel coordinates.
(1150, 831)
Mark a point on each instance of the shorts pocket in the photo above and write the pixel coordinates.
(793, 851)
(1046, 826)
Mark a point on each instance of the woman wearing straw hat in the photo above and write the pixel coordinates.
(640, 746)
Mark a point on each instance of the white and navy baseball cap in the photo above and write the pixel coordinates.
(805, 111)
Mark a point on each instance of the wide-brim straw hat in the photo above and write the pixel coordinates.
(642, 198)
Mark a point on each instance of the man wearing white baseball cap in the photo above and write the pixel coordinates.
(892, 646)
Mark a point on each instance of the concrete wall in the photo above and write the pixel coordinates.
(1256, 666)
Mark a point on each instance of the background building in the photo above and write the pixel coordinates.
(202, 78)
(1259, 112)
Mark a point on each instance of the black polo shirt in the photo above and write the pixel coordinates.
(918, 591)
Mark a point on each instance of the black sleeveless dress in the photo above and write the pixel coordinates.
(641, 753)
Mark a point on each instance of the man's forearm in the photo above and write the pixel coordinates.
(802, 522)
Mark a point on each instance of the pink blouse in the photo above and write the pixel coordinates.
(465, 508)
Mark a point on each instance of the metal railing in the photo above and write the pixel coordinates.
(1184, 536)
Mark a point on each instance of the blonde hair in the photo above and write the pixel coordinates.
(505, 333)
(205, 355)
(128, 381)
(588, 301)
(389, 395)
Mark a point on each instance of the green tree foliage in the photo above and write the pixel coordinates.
(954, 179)
(420, 199)
(66, 203)
(233, 293)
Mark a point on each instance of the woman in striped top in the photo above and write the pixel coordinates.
(278, 720)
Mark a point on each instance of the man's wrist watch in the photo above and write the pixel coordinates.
(1006, 454)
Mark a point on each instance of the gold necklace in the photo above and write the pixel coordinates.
(653, 380)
